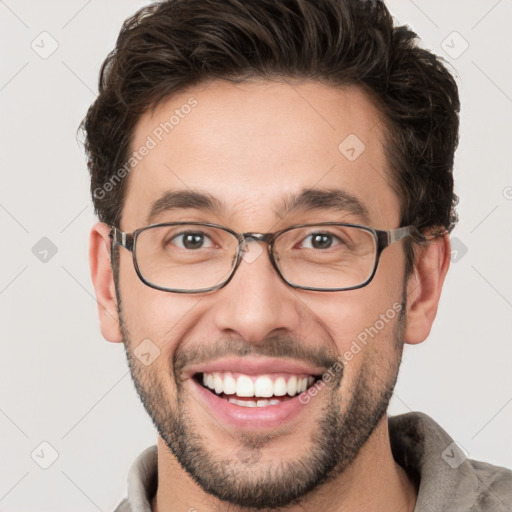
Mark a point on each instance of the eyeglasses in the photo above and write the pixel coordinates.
(197, 257)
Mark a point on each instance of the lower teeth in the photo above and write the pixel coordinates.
(254, 403)
(258, 402)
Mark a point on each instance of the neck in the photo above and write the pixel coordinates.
(374, 482)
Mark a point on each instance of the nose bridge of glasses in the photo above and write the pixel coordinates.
(260, 237)
(245, 238)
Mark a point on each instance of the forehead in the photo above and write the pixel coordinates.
(254, 145)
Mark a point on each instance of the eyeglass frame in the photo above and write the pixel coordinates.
(383, 239)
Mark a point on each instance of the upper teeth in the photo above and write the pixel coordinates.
(261, 386)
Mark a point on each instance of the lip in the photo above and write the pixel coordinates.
(255, 366)
(251, 418)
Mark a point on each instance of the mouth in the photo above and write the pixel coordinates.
(266, 390)
(255, 393)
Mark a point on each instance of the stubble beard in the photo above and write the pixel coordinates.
(245, 477)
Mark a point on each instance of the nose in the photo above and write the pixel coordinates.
(256, 302)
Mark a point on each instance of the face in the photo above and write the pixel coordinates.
(256, 150)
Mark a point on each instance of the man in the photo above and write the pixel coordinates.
(274, 185)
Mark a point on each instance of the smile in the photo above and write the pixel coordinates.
(255, 390)
(252, 402)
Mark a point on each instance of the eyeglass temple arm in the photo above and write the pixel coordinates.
(398, 234)
(121, 238)
(394, 235)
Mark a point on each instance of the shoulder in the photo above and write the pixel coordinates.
(142, 482)
(445, 476)
(124, 506)
(494, 487)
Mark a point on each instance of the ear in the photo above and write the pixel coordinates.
(424, 287)
(103, 280)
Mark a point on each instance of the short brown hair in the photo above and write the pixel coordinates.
(169, 46)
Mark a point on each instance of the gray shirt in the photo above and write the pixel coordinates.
(446, 478)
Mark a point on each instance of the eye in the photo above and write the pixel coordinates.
(192, 240)
(320, 241)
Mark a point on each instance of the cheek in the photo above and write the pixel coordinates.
(366, 340)
(153, 319)
(361, 323)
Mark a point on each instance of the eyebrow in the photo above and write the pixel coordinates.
(182, 200)
(307, 200)
(324, 199)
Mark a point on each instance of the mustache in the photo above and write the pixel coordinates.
(276, 346)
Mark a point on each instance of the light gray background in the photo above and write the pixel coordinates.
(63, 384)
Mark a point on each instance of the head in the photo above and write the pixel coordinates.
(247, 125)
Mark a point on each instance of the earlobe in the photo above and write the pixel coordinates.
(103, 281)
(424, 287)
